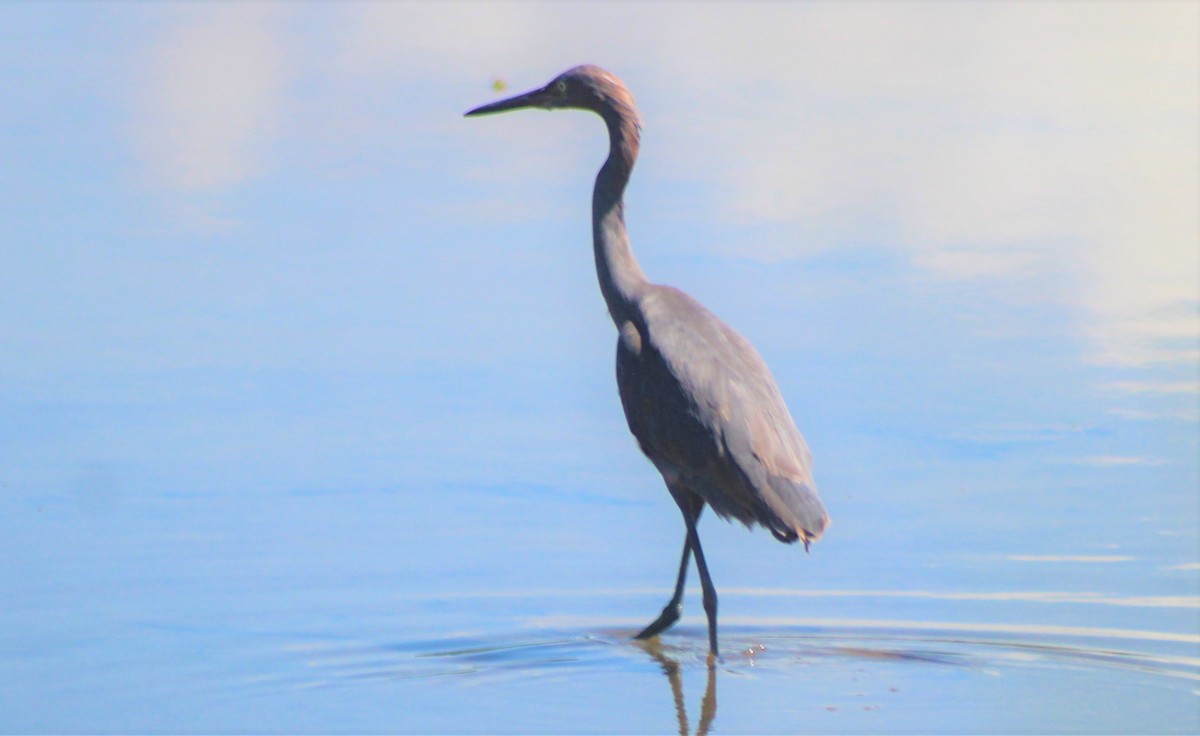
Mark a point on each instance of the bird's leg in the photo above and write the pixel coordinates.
(706, 584)
(691, 506)
(670, 613)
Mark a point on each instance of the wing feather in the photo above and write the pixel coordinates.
(704, 406)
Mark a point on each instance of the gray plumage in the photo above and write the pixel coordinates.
(698, 397)
(686, 381)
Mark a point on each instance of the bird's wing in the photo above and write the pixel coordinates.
(722, 413)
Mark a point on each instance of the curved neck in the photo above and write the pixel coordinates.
(621, 278)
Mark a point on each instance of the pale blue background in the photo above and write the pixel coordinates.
(305, 378)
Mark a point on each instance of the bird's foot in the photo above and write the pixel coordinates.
(668, 617)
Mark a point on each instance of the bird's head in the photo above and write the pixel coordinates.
(585, 87)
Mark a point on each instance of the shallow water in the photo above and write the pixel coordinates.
(326, 612)
(307, 412)
(833, 676)
(469, 551)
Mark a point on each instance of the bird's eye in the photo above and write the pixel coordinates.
(560, 86)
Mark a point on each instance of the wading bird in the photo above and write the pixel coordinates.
(698, 397)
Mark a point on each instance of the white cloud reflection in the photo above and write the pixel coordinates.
(1021, 596)
(1071, 558)
(1155, 387)
(1029, 143)
(1029, 629)
(1026, 596)
(995, 140)
(1109, 461)
(211, 96)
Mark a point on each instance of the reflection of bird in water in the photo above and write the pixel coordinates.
(700, 400)
(671, 667)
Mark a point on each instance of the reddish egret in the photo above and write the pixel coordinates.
(698, 397)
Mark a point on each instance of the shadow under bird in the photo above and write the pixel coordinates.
(698, 397)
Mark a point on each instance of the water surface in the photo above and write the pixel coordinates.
(307, 413)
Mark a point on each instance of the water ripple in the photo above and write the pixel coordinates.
(761, 645)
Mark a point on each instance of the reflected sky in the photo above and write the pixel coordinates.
(276, 215)
(291, 352)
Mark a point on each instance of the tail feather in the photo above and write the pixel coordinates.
(799, 509)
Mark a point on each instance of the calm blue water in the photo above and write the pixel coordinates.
(307, 412)
(189, 577)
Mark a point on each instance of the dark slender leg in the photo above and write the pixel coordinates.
(690, 505)
(706, 584)
(670, 613)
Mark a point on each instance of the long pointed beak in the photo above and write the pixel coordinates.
(533, 98)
